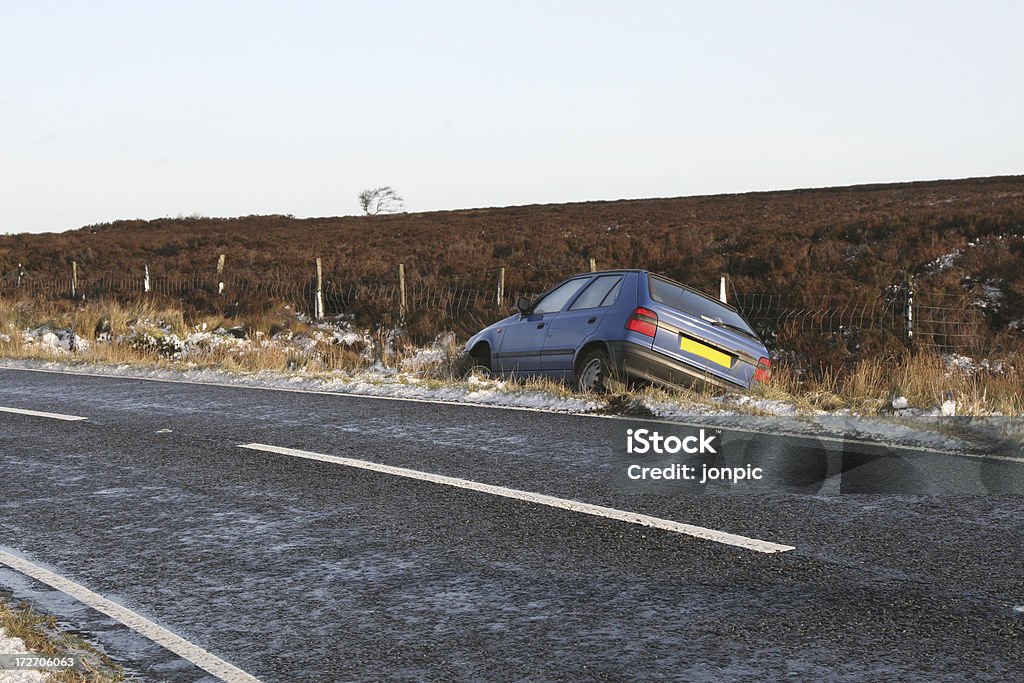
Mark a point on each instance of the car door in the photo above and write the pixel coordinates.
(570, 328)
(523, 340)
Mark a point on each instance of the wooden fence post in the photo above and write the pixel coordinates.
(401, 291)
(220, 274)
(145, 279)
(593, 265)
(74, 278)
(910, 311)
(318, 303)
(721, 290)
(501, 287)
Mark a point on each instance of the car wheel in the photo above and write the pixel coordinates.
(595, 373)
(477, 363)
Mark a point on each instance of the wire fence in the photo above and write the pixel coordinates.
(936, 320)
(933, 320)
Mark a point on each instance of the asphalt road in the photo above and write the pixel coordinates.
(297, 570)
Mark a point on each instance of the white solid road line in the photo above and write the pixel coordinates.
(158, 634)
(538, 498)
(38, 413)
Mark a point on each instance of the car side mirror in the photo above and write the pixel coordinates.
(523, 304)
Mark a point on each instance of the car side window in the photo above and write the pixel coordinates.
(601, 292)
(556, 298)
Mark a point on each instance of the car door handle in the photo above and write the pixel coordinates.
(592, 319)
(540, 325)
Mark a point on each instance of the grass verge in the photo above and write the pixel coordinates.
(145, 334)
(925, 380)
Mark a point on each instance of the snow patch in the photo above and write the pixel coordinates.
(991, 297)
(944, 262)
(349, 338)
(57, 342)
(762, 405)
(431, 356)
(956, 363)
(948, 408)
(16, 646)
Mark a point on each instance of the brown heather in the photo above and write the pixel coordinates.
(814, 242)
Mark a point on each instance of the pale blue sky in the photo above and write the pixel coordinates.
(144, 109)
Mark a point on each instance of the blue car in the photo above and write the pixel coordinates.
(604, 330)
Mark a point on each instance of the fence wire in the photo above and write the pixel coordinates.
(935, 320)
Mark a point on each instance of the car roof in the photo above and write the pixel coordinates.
(662, 277)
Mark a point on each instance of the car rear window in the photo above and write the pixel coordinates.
(684, 300)
(601, 292)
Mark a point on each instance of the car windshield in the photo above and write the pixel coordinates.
(554, 300)
(711, 311)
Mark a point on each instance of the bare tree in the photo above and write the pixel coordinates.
(380, 200)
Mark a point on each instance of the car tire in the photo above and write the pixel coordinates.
(596, 374)
(476, 363)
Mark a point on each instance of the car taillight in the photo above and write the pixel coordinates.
(644, 321)
(764, 370)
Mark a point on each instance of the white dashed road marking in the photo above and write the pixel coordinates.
(158, 634)
(538, 498)
(40, 414)
(37, 413)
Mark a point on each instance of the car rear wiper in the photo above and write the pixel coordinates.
(718, 322)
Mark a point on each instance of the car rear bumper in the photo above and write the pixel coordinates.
(639, 362)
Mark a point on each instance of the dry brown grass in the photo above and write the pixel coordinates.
(151, 335)
(924, 379)
(866, 387)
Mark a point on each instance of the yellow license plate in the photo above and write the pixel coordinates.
(704, 351)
